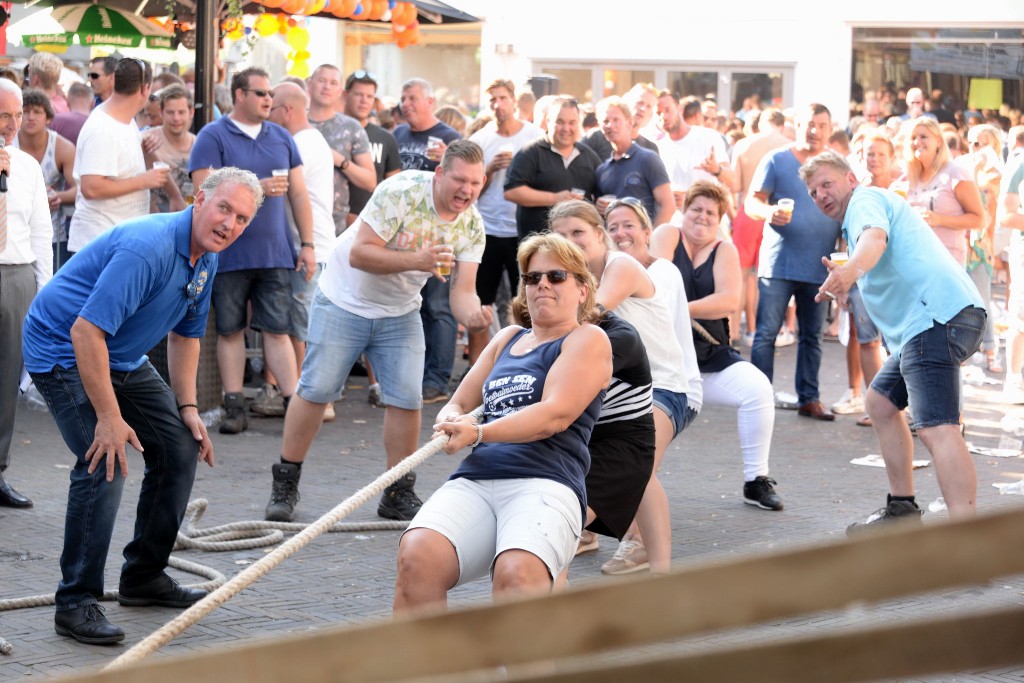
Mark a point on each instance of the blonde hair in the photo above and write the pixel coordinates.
(570, 258)
(915, 169)
(585, 211)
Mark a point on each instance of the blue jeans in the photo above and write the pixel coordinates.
(170, 454)
(440, 331)
(336, 340)
(926, 373)
(774, 296)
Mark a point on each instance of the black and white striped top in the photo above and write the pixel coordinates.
(630, 394)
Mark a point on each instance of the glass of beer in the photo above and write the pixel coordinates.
(444, 268)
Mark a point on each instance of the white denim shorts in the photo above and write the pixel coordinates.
(483, 519)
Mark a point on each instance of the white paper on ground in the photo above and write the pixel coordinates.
(875, 460)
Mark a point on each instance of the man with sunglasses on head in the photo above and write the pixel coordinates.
(84, 343)
(110, 162)
(359, 98)
(258, 267)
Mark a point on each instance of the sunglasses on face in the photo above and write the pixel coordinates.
(260, 93)
(191, 292)
(555, 277)
(94, 76)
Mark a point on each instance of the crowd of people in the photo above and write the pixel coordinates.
(606, 264)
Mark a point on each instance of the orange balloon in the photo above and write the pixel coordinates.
(272, 4)
(403, 14)
(379, 7)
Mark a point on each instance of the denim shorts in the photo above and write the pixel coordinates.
(926, 374)
(866, 330)
(676, 406)
(269, 289)
(302, 300)
(483, 519)
(336, 339)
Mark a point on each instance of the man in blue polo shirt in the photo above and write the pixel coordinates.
(631, 170)
(932, 318)
(258, 267)
(84, 342)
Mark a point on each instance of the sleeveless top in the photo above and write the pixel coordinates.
(653, 320)
(55, 179)
(699, 283)
(630, 395)
(517, 382)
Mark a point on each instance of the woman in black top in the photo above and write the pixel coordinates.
(711, 274)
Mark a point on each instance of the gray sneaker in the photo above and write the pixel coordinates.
(434, 395)
(268, 402)
(903, 511)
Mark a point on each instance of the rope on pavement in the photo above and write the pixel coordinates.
(257, 570)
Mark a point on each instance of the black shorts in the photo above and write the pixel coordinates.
(499, 257)
(621, 463)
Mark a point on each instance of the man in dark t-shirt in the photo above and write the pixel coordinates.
(546, 171)
(358, 98)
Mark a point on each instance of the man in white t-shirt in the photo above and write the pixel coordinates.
(110, 166)
(690, 151)
(289, 112)
(500, 140)
(417, 224)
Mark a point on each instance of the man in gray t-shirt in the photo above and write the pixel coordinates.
(347, 139)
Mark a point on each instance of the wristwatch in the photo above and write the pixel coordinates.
(344, 164)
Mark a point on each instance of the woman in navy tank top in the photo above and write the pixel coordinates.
(516, 504)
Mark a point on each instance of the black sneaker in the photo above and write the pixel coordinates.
(284, 493)
(894, 511)
(399, 501)
(759, 492)
(234, 421)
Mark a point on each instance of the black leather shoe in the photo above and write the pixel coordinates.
(87, 625)
(9, 498)
(162, 591)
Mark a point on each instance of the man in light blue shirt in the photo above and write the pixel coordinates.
(931, 317)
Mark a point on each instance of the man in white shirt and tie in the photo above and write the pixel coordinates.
(26, 264)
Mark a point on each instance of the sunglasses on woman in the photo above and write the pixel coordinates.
(554, 277)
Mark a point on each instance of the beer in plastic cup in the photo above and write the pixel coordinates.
(839, 258)
(786, 206)
(445, 267)
(161, 165)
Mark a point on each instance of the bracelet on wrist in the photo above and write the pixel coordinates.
(187, 405)
(307, 244)
(479, 436)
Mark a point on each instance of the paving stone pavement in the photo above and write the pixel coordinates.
(347, 578)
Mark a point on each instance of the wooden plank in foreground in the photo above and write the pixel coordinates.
(938, 646)
(620, 614)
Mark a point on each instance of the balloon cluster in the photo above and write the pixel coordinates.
(401, 15)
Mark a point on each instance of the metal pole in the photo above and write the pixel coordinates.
(207, 35)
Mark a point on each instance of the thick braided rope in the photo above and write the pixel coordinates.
(253, 534)
(214, 576)
(254, 572)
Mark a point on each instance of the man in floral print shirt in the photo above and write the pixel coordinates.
(418, 224)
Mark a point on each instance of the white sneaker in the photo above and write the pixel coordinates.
(747, 339)
(848, 404)
(785, 338)
(629, 557)
(786, 400)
